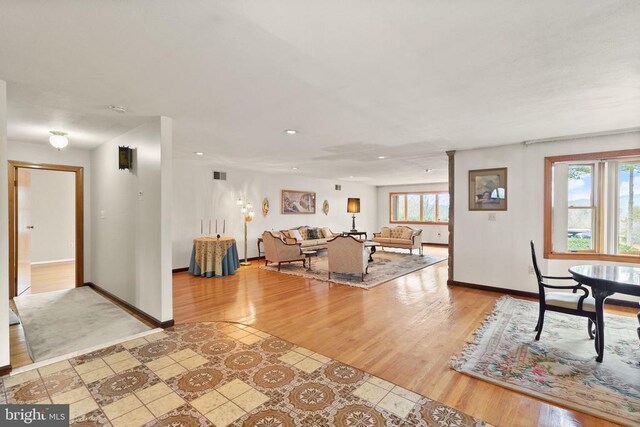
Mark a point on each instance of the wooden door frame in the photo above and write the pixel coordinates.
(12, 169)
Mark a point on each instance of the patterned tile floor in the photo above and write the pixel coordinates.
(203, 374)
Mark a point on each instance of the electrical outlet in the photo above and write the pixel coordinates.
(531, 270)
(492, 216)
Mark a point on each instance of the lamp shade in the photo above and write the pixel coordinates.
(353, 205)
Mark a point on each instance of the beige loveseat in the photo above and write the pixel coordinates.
(399, 237)
(305, 238)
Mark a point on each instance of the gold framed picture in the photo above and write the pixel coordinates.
(488, 189)
(298, 202)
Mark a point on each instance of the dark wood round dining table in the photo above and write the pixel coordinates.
(604, 281)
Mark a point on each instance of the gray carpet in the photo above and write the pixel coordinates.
(62, 322)
(387, 265)
(13, 318)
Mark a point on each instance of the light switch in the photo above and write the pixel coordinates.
(139, 195)
(492, 216)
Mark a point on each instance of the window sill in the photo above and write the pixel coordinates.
(418, 223)
(593, 257)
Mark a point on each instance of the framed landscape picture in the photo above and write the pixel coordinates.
(298, 202)
(488, 189)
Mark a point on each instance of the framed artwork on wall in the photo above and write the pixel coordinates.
(488, 189)
(298, 202)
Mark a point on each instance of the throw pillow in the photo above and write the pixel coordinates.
(326, 233)
(303, 232)
(312, 233)
(295, 234)
(385, 232)
(407, 233)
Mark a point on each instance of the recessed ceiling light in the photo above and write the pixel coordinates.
(294, 168)
(198, 153)
(290, 131)
(428, 170)
(118, 108)
(382, 157)
(351, 176)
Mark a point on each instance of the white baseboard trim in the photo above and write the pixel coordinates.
(53, 261)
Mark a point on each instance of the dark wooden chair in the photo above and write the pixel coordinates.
(573, 303)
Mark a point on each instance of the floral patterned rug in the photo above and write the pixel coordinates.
(219, 374)
(386, 265)
(561, 367)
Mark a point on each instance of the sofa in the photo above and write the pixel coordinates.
(402, 237)
(309, 238)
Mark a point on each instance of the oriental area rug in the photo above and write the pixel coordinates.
(386, 266)
(561, 367)
(219, 374)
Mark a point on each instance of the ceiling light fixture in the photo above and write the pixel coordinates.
(294, 168)
(58, 139)
(382, 157)
(118, 109)
(198, 153)
(428, 170)
(290, 131)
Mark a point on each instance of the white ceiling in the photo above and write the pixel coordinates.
(358, 79)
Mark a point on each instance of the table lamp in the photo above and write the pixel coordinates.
(353, 207)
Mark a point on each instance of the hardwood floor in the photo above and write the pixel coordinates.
(404, 331)
(52, 277)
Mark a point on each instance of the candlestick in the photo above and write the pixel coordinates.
(224, 226)
(216, 225)
(201, 226)
(209, 225)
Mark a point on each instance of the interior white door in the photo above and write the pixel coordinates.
(24, 230)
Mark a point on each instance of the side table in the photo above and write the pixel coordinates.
(356, 233)
(308, 254)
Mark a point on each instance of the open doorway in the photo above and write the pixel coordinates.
(45, 227)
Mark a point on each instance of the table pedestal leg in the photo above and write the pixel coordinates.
(599, 296)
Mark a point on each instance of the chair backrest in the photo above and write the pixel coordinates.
(270, 248)
(345, 254)
(536, 268)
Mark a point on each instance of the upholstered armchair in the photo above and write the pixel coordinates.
(277, 250)
(347, 255)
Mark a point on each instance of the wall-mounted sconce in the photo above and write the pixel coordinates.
(125, 158)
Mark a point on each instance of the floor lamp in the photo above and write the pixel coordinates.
(248, 214)
(353, 207)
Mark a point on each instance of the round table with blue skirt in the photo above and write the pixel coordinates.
(214, 257)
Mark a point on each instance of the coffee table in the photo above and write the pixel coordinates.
(372, 248)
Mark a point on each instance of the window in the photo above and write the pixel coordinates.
(592, 206)
(419, 208)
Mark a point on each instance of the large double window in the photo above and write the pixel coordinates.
(592, 206)
(419, 208)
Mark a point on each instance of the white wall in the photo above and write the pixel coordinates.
(4, 226)
(197, 196)
(430, 233)
(44, 153)
(130, 214)
(52, 215)
(497, 253)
